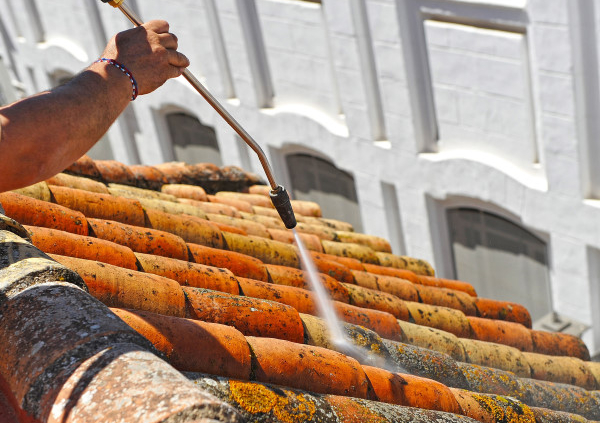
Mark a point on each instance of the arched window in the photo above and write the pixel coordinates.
(501, 259)
(193, 142)
(315, 179)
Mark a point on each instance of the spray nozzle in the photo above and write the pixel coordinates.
(113, 3)
(281, 201)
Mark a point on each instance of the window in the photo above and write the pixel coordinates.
(192, 141)
(502, 260)
(316, 179)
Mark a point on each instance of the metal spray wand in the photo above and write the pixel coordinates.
(279, 195)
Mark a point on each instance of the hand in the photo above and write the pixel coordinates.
(150, 53)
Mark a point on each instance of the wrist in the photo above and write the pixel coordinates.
(113, 67)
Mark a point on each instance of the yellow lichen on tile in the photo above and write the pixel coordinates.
(252, 397)
(505, 410)
(258, 399)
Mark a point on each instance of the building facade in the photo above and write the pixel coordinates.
(465, 132)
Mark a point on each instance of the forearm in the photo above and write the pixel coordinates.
(42, 135)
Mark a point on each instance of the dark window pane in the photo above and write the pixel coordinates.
(318, 180)
(192, 141)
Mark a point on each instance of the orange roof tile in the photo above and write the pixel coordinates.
(143, 240)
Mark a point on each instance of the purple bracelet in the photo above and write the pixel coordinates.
(123, 69)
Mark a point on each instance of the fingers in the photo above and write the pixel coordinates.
(168, 41)
(177, 59)
(158, 26)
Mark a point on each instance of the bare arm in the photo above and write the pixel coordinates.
(43, 134)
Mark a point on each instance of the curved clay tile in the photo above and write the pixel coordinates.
(266, 221)
(350, 263)
(249, 226)
(100, 206)
(391, 271)
(543, 415)
(190, 228)
(148, 177)
(192, 345)
(210, 208)
(334, 269)
(84, 166)
(562, 397)
(283, 275)
(322, 232)
(377, 300)
(343, 249)
(116, 172)
(306, 367)
(251, 316)
(71, 181)
(306, 208)
(195, 275)
(311, 242)
(486, 380)
(420, 267)
(140, 239)
(501, 332)
(497, 356)
(559, 344)
(240, 205)
(29, 211)
(427, 363)
(447, 298)
(569, 370)
(191, 192)
(117, 287)
(411, 391)
(433, 339)
(266, 250)
(53, 241)
(134, 192)
(494, 408)
(374, 242)
(401, 288)
(171, 207)
(503, 310)
(444, 318)
(254, 199)
(240, 264)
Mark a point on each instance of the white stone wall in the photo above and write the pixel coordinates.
(491, 103)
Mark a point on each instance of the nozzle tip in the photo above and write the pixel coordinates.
(281, 201)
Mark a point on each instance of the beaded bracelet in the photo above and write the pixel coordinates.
(123, 69)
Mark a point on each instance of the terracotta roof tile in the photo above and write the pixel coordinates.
(427, 363)
(251, 316)
(266, 250)
(190, 274)
(140, 239)
(148, 177)
(306, 367)
(67, 244)
(30, 211)
(101, 206)
(117, 287)
(355, 251)
(234, 309)
(70, 181)
(224, 349)
(185, 191)
(412, 391)
(497, 356)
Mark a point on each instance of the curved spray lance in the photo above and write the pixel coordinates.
(279, 195)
